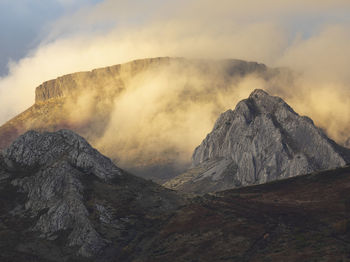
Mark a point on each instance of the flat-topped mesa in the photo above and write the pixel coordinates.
(262, 140)
(116, 76)
(57, 88)
(96, 79)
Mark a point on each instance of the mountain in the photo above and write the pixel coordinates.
(60, 200)
(113, 107)
(261, 140)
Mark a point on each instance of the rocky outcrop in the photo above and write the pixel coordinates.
(262, 140)
(75, 195)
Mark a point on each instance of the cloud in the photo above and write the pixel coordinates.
(162, 113)
(85, 52)
(112, 32)
(323, 89)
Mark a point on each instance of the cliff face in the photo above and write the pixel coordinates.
(86, 103)
(115, 77)
(262, 140)
(112, 78)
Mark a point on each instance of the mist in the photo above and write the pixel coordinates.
(158, 114)
(163, 114)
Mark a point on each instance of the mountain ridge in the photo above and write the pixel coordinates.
(65, 85)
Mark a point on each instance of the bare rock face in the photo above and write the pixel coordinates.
(74, 194)
(262, 140)
(56, 185)
(115, 78)
(36, 150)
(112, 78)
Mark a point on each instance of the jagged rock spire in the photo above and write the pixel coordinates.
(262, 140)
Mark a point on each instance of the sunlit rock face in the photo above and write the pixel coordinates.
(64, 192)
(154, 111)
(261, 140)
(110, 79)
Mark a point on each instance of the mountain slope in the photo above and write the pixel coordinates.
(304, 218)
(262, 140)
(118, 107)
(61, 200)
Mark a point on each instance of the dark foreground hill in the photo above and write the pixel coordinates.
(305, 218)
(60, 200)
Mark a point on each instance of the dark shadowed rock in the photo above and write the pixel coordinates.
(262, 140)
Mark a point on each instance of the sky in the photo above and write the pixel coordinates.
(25, 23)
(41, 40)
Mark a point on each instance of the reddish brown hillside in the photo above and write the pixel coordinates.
(306, 218)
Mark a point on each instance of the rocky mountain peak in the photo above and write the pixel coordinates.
(260, 102)
(262, 140)
(34, 149)
(73, 194)
(261, 95)
(264, 102)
